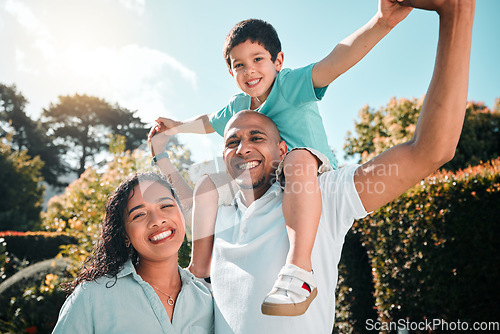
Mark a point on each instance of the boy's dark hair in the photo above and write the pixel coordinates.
(254, 30)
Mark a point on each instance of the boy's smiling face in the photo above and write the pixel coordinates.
(253, 69)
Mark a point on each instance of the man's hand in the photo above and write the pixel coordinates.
(393, 11)
(163, 124)
(440, 6)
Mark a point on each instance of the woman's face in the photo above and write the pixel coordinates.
(154, 222)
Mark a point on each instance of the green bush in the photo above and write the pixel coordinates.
(21, 190)
(36, 246)
(31, 303)
(433, 253)
(355, 301)
(19, 249)
(394, 123)
(435, 250)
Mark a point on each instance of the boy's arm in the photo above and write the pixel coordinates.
(352, 49)
(199, 124)
(440, 122)
(158, 144)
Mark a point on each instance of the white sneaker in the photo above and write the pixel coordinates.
(292, 292)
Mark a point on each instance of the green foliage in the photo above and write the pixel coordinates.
(12, 115)
(393, 124)
(355, 302)
(21, 249)
(28, 134)
(4, 259)
(381, 129)
(84, 125)
(32, 306)
(435, 250)
(20, 190)
(480, 138)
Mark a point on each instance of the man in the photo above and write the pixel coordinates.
(250, 238)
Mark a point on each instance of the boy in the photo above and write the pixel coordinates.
(253, 54)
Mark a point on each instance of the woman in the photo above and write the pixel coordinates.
(132, 282)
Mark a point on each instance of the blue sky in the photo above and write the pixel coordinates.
(165, 58)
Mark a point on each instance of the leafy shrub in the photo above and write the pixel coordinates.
(433, 253)
(355, 301)
(31, 304)
(20, 189)
(435, 250)
(35, 246)
(394, 123)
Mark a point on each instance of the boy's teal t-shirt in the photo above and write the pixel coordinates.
(292, 105)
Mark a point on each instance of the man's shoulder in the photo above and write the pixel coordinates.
(337, 177)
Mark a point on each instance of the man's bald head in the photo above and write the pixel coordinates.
(245, 114)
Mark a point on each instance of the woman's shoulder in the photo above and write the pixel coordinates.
(95, 286)
(106, 282)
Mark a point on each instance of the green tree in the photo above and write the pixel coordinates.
(28, 134)
(12, 115)
(80, 209)
(84, 124)
(20, 190)
(393, 124)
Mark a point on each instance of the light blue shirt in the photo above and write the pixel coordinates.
(292, 105)
(130, 305)
(251, 245)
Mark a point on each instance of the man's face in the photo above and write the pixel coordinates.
(253, 69)
(252, 151)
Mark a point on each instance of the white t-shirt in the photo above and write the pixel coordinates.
(251, 245)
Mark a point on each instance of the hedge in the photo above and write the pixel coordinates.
(29, 247)
(435, 251)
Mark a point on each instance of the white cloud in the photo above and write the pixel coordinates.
(23, 15)
(137, 6)
(43, 40)
(135, 77)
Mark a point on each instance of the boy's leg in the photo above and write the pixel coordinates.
(302, 210)
(301, 206)
(205, 205)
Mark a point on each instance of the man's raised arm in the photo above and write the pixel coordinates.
(440, 122)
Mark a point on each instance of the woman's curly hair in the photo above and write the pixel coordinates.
(110, 253)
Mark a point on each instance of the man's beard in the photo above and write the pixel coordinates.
(257, 184)
(254, 185)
